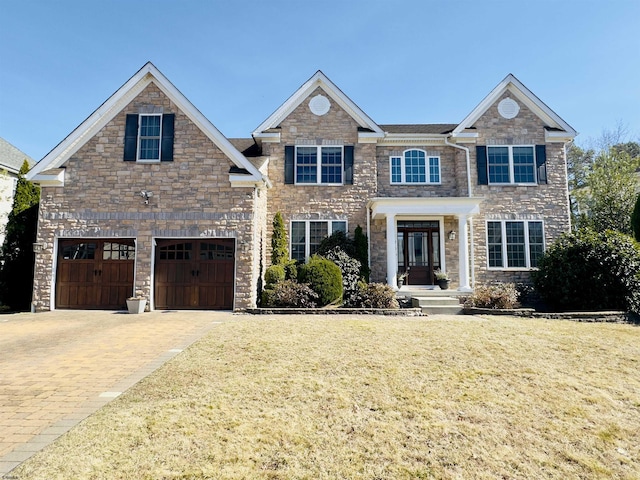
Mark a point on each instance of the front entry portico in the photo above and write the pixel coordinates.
(415, 236)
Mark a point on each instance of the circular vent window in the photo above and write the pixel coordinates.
(319, 105)
(508, 108)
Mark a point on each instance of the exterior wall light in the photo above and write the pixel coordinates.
(452, 235)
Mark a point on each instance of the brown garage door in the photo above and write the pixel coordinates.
(95, 273)
(194, 274)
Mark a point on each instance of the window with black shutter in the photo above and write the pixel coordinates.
(149, 138)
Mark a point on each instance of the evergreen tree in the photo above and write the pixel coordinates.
(16, 271)
(279, 244)
(362, 252)
(635, 220)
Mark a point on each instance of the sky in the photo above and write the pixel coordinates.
(237, 61)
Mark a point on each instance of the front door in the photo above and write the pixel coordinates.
(419, 250)
(195, 274)
(94, 273)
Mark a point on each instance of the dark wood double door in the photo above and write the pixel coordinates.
(194, 274)
(94, 273)
(419, 250)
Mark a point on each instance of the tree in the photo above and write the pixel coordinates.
(279, 244)
(635, 220)
(16, 273)
(608, 198)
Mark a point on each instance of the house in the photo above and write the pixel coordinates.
(147, 197)
(11, 160)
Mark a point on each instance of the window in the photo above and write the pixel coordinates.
(306, 236)
(514, 244)
(511, 164)
(315, 165)
(415, 166)
(149, 138)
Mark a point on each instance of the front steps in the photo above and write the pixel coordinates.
(432, 300)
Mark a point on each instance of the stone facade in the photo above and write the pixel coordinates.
(195, 197)
(192, 198)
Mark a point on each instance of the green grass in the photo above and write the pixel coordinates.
(373, 398)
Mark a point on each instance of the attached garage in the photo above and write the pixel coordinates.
(94, 273)
(194, 274)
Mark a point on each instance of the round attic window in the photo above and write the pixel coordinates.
(508, 108)
(319, 105)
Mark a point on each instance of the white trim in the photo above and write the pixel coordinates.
(503, 236)
(319, 79)
(50, 179)
(118, 101)
(381, 207)
(513, 85)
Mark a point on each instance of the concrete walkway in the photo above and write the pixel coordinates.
(57, 368)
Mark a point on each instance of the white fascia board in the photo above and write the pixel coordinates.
(270, 137)
(391, 139)
(381, 207)
(239, 180)
(369, 137)
(50, 179)
(319, 79)
(557, 137)
(525, 95)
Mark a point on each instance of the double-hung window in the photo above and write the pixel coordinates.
(514, 244)
(306, 236)
(415, 166)
(511, 164)
(319, 165)
(149, 137)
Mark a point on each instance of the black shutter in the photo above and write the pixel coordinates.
(289, 152)
(348, 165)
(481, 161)
(541, 163)
(131, 138)
(166, 152)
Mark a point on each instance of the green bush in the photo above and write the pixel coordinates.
(274, 275)
(324, 278)
(350, 269)
(289, 293)
(336, 239)
(499, 295)
(279, 243)
(375, 295)
(591, 270)
(361, 247)
(290, 270)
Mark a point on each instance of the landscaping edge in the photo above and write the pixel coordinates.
(605, 316)
(409, 312)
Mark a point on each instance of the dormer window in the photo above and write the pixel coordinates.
(415, 166)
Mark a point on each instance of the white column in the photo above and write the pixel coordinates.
(463, 253)
(392, 254)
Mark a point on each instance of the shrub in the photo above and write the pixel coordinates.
(289, 293)
(361, 247)
(375, 295)
(279, 244)
(635, 220)
(498, 295)
(290, 270)
(324, 278)
(274, 275)
(350, 269)
(336, 239)
(591, 270)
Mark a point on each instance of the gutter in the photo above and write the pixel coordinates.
(470, 192)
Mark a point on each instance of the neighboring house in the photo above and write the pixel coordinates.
(11, 160)
(147, 197)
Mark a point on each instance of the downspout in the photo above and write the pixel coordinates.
(470, 194)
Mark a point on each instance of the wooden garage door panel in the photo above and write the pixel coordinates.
(194, 274)
(94, 273)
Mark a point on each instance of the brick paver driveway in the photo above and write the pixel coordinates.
(57, 368)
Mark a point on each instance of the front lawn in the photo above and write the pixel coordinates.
(373, 398)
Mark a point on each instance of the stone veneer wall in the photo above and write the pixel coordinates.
(192, 197)
(548, 202)
(307, 202)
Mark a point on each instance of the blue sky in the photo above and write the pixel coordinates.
(414, 61)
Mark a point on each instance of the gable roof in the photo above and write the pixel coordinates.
(522, 93)
(318, 79)
(11, 158)
(120, 99)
